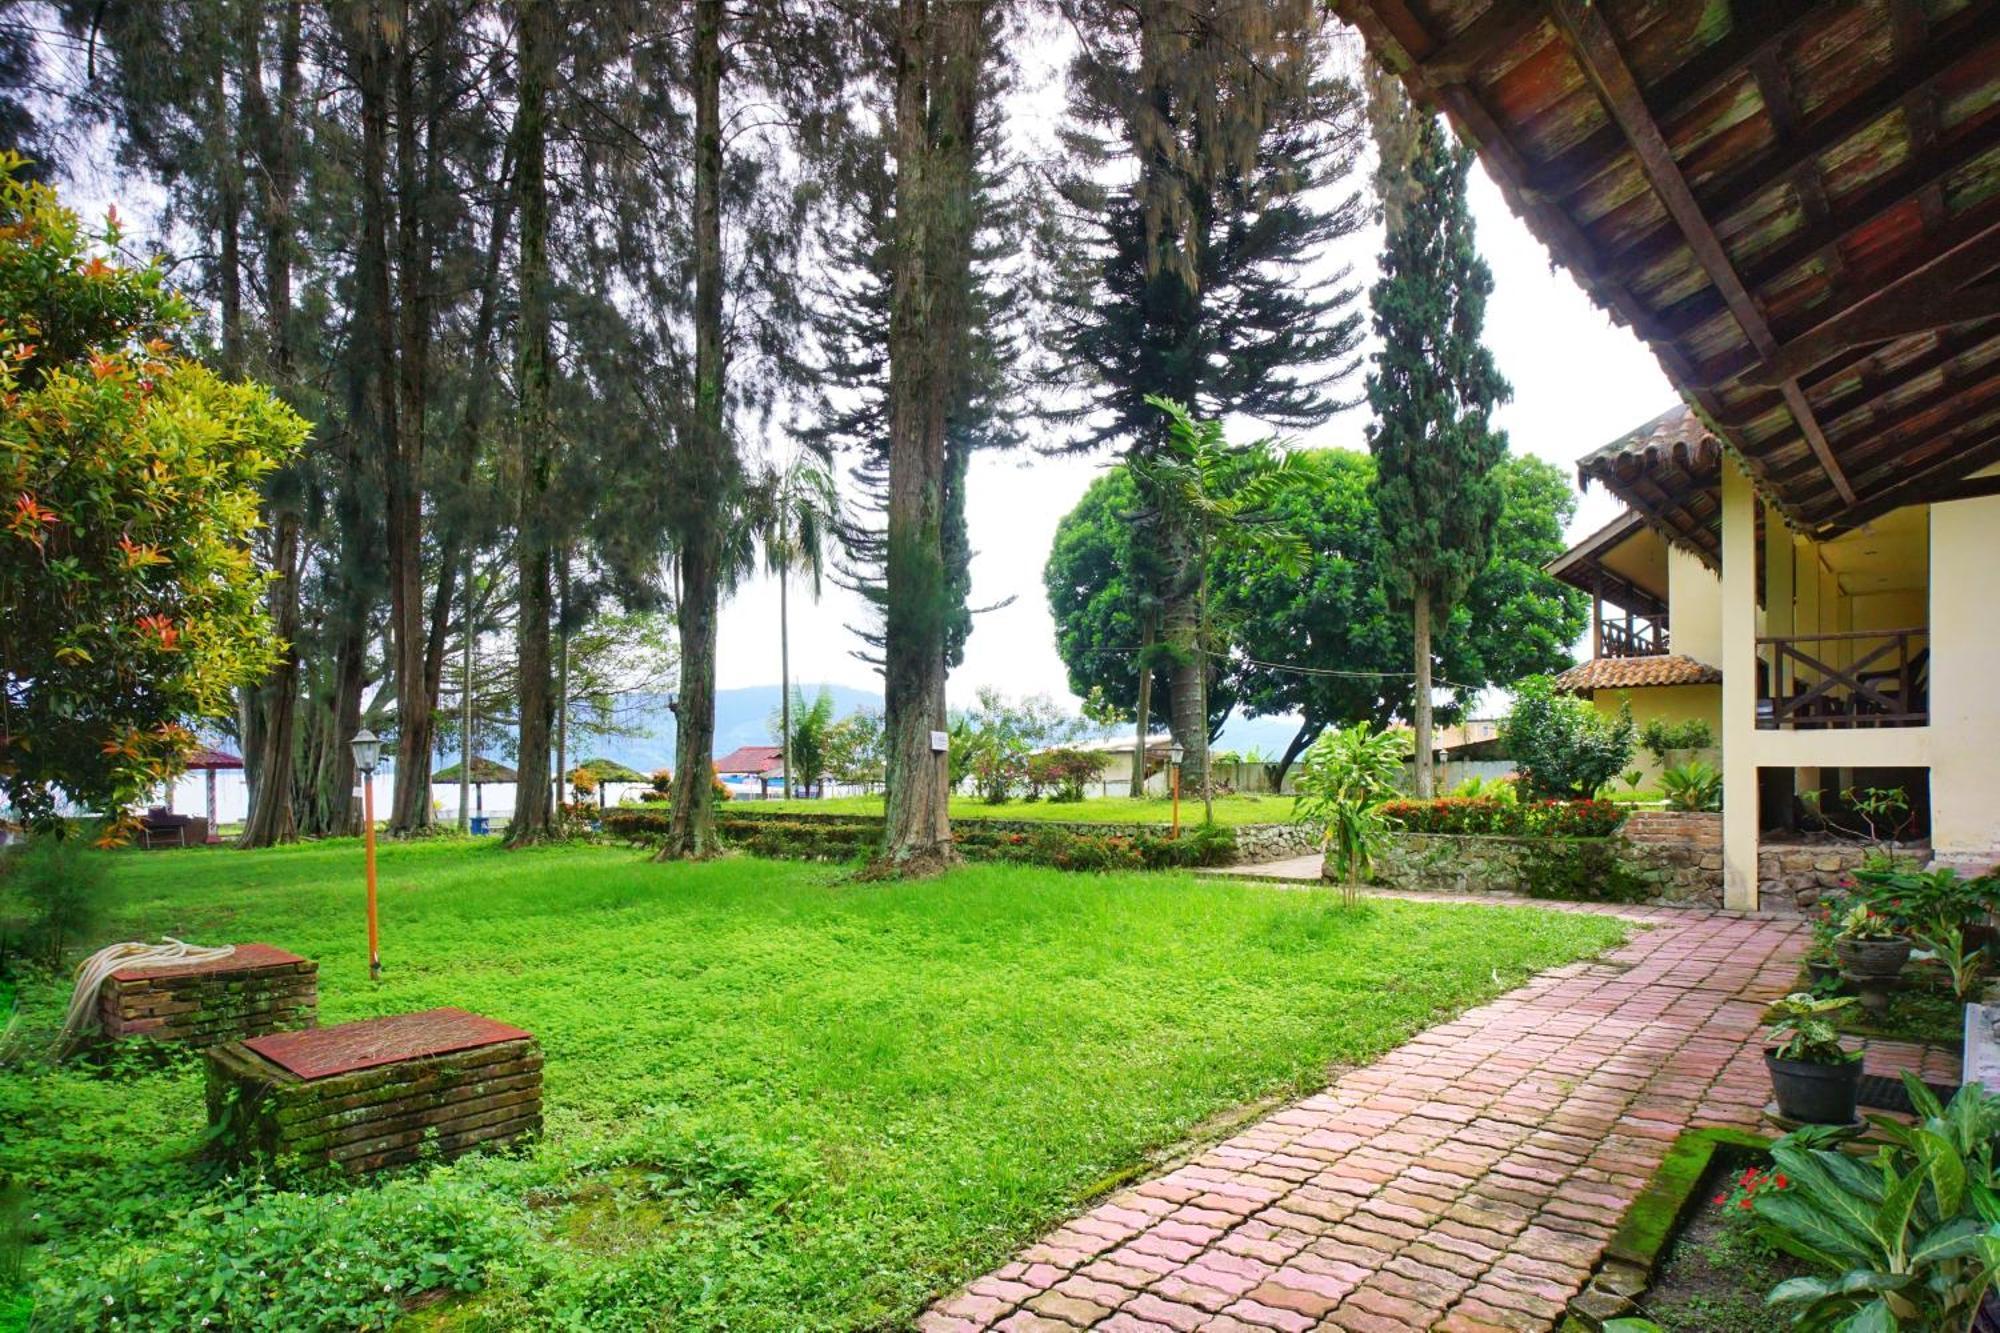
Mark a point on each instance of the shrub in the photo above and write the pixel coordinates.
(1695, 785)
(1663, 739)
(1908, 1236)
(1348, 776)
(1562, 746)
(1580, 872)
(59, 887)
(1066, 771)
(639, 826)
(1069, 849)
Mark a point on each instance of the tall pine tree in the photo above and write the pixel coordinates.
(1437, 490)
(1207, 147)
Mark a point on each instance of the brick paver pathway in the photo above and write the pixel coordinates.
(1468, 1180)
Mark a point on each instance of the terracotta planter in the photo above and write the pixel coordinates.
(1814, 1094)
(1872, 960)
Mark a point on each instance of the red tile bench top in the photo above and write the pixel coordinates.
(370, 1042)
(247, 958)
(257, 989)
(376, 1092)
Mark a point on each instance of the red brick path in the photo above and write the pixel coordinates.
(1468, 1180)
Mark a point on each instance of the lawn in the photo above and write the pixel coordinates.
(1091, 810)
(775, 1099)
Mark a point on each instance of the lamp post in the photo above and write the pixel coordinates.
(1175, 753)
(367, 754)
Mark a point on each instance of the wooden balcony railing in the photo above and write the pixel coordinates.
(1885, 681)
(1632, 636)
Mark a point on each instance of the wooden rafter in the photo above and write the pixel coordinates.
(1603, 64)
(1971, 42)
(1934, 292)
(1503, 24)
(1965, 402)
(1761, 26)
(1940, 474)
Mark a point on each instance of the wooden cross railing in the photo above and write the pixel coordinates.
(1632, 636)
(1884, 683)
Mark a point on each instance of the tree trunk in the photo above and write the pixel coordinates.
(785, 684)
(271, 819)
(537, 38)
(273, 815)
(410, 804)
(940, 48)
(1420, 712)
(562, 675)
(708, 469)
(1186, 714)
(1145, 708)
(465, 738)
(1307, 733)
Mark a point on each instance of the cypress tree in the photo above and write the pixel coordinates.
(1437, 490)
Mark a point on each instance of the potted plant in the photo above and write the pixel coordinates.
(1814, 1076)
(1869, 947)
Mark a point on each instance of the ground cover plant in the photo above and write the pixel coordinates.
(776, 1098)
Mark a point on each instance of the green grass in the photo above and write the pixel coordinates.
(1091, 810)
(775, 1099)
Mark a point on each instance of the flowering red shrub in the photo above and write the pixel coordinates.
(1742, 1193)
(1478, 815)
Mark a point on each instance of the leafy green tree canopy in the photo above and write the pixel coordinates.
(130, 605)
(1334, 617)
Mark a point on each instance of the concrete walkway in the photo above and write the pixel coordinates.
(1468, 1180)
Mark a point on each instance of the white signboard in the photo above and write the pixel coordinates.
(940, 742)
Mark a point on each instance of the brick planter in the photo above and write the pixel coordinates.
(374, 1093)
(257, 989)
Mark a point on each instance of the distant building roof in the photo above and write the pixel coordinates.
(753, 760)
(1629, 673)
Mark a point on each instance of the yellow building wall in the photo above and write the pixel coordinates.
(1694, 608)
(1965, 678)
(1669, 703)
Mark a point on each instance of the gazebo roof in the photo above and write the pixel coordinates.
(483, 770)
(1795, 204)
(610, 770)
(214, 760)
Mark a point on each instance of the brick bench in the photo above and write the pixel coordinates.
(377, 1092)
(257, 989)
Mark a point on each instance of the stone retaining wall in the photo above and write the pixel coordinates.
(438, 1106)
(255, 990)
(1677, 855)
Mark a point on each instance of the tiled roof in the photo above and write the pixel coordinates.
(755, 760)
(1627, 673)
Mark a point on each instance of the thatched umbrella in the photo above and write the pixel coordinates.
(609, 770)
(484, 770)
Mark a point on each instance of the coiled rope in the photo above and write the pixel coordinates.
(94, 971)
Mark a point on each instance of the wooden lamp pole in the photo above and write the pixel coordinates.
(368, 753)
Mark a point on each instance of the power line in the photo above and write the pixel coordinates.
(1303, 670)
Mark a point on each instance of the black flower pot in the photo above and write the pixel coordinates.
(1815, 1094)
(1822, 971)
(1872, 960)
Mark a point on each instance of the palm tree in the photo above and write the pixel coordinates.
(797, 508)
(1207, 494)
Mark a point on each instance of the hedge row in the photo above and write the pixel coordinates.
(1534, 819)
(1064, 849)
